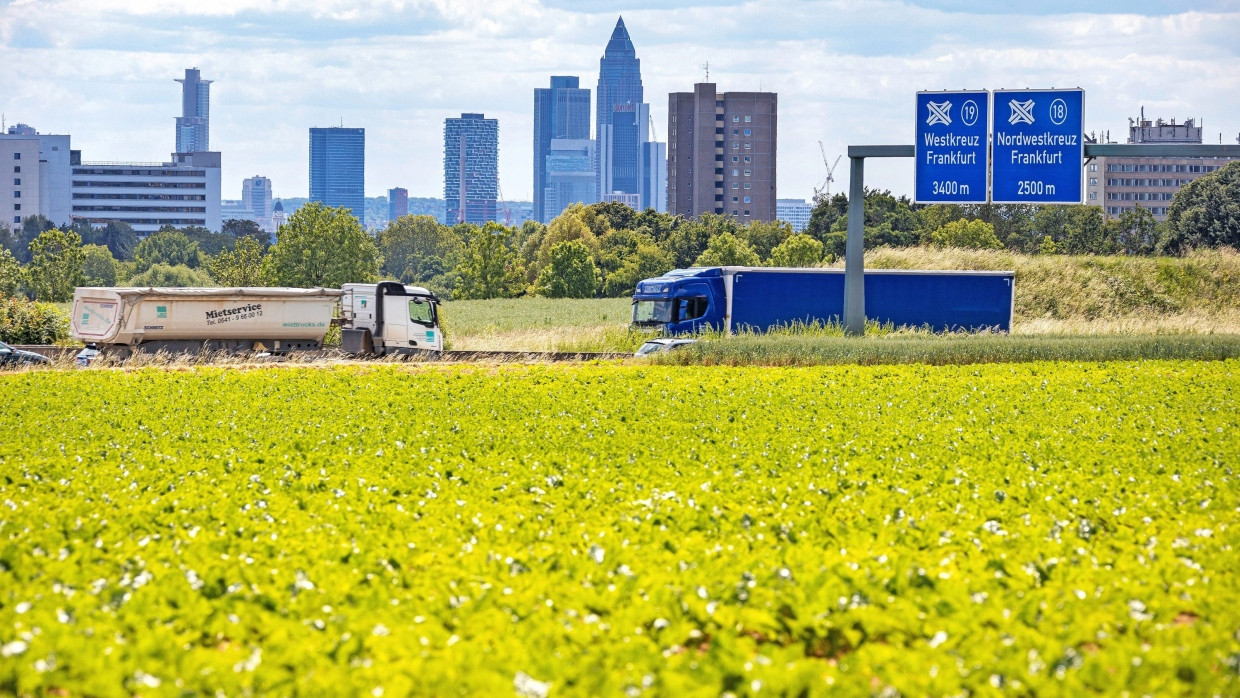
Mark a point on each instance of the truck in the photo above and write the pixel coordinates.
(731, 299)
(375, 319)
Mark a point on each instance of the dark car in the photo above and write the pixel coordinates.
(87, 356)
(662, 344)
(18, 357)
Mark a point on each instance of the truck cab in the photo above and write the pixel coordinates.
(389, 318)
(682, 301)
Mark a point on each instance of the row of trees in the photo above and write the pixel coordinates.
(596, 250)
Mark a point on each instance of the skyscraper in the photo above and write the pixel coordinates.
(194, 122)
(721, 153)
(619, 84)
(570, 175)
(398, 203)
(560, 111)
(256, 197)
(338, 168)
(470, 168)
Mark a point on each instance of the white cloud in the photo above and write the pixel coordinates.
(846, 72)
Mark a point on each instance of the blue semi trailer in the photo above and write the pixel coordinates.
(758, 298)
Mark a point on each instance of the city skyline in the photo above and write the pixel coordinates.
(104, 78)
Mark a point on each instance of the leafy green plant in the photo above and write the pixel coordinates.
(1040, 529)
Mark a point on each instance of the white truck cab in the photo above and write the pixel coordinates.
(389, 318)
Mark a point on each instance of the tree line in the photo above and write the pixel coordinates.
(601, 249)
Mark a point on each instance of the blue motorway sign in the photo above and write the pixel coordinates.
(951, 147)
(1039, 147)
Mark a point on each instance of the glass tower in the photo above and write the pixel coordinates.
(338, 168)
(560, 111)
(194, 121)
(619, 84)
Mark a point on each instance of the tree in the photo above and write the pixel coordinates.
(417, 248)
(574, 223)
(55, 269)
(171, 275)
(322, 246)
(800, 250)
(10, 274)
(725, 249)
(1089, 232)
(1138, 231)
(167, 247)
(646, 262)
(571, 273)
(690, 238)
(240, 266)
(237, 228)
(1205, 213)
(32, 227)
(826, 215)
(619, 216)
(209, 243)
(119, 238)
(98, 266)
(489, 269)
(764, 236)
(966, 234)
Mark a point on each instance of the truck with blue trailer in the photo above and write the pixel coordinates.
(733, 299)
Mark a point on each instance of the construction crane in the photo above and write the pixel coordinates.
(824, 191)
(503, 205)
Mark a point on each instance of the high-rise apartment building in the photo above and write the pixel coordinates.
(398, 203)
(193, 124)
(721, 153)
(148, 196)
(338, 168)
(37, 166)
(470, 168)
(1120, 184)
(619, 93)
(256, 197)
(561, 111)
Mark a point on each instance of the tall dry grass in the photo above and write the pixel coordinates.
(1116, 294)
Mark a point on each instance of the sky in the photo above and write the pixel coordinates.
(846, 72)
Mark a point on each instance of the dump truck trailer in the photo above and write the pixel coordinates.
(383, 318)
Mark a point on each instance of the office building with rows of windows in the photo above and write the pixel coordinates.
(1120, 184)
(721, 153)
(148, 196)
(561, 112)
(338, 168)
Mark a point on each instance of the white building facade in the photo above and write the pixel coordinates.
(35, 170)
(149, 196)
(794, 212)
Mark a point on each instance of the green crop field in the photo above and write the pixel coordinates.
(1015, 529)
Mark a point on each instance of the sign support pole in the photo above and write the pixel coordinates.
(854, 251)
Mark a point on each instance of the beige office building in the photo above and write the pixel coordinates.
(1120, 184)
(721, 153)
